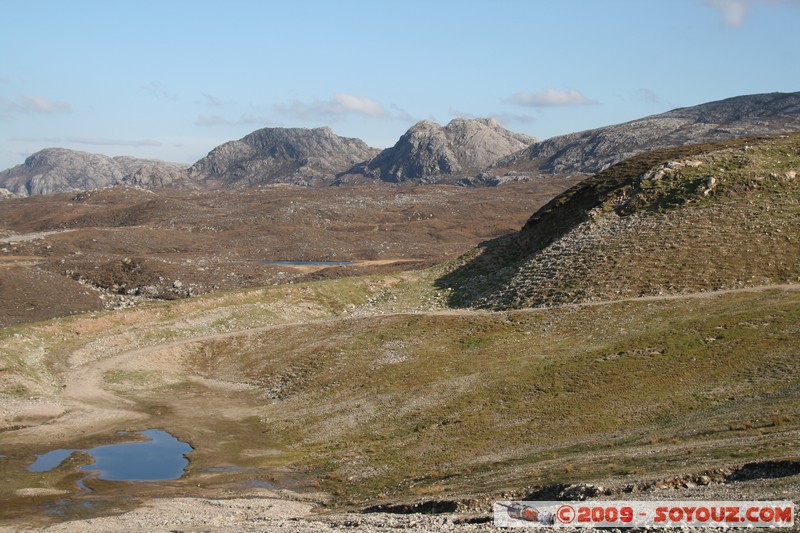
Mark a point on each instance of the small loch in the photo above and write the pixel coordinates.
(161, 457)
(306, 263)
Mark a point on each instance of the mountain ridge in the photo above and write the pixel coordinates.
(594, 150)
(472, 152)
(54, 170)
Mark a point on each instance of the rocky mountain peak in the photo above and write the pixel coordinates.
(59, 169)
(428, 151)
(298, 156)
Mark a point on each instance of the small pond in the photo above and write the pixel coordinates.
(303, 263)
(159, 458)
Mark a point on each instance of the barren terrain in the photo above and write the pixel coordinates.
(320, 400)
(71, 253)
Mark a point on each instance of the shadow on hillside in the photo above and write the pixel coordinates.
(471, 283)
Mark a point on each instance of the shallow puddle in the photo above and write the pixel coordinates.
(161, 457)
(309, 263)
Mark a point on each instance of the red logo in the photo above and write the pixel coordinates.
(565, 514)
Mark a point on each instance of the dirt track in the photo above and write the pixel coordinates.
(90, 407)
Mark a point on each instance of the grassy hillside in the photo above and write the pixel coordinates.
(673, 221)
(352, 387)
(409, 404)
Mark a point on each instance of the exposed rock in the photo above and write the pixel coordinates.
(595, 150)
(59, 169)
(296, 156)
(711, 184)
(428, 151)
(582, 491)
(157, 175)
(5, 193)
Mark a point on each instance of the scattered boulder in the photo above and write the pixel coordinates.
(711, 184)
(582, 491)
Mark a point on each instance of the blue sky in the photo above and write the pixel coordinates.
(173, 79)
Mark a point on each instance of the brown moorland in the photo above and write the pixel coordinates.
(76, 252)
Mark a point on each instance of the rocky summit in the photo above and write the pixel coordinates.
(429, 152)
(594, 150)
(296, 156)
(59, 170)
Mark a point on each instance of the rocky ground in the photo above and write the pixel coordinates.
(71, 253)
(271, 511)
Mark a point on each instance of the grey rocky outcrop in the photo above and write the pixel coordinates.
(471, 152)
(592, 151)
(59, 169)
(297, 156)
(427, 152)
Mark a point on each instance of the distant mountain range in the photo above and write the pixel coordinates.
(594, 150)
(466, 151)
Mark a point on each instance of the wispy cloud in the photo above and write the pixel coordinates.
(338, 107)
(160, 91)
(734, 12)
(401, 114)
(213, 101)
(648, 95)
(219, 120)
(512, 118)
(108, 141)
(503, 118)
(30, 104)
(550, 97)
(36, 139)
(457, 113)
(97, 141)
(211, 120)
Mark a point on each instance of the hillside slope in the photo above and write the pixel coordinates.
(594, 150)
(679, 220)
(367, 390)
